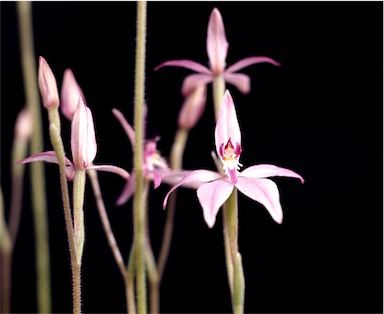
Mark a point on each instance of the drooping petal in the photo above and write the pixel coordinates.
(212, 196)
(128, 190)
(126, 126)
(47, 85)
(192, 81)
(49, 156)
(263, 191)
(172, 177)
(217, 45)
(156, 179)
(70, 94)
(193, 107)
(83, 140)
(197, 176)
(249, 61)
(227, 126)
(109, 168)
(266, 170)
(241, 81)
(188, 64)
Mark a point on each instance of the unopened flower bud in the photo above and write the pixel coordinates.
(23, 125)
(193, 107)
(70, 94)
(47, 85)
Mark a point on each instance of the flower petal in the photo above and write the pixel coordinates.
(249, 61)
(241, 81)
(217, 45)
(197, 176)
(47, 85)
(188, 64)
(227, 126)
(212, 196)
(128, 190)
(172, 177)
(120, 171)
(70, 94)
(126, 126)
(83, 140)
(263, 191)
(192, 81)
(193, 107)
(265, 171)
(49, 156)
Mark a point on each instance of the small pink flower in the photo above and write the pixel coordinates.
(83, 146)
(193, 107)
(23, 126)
(213, 188)
(217, 48)
(154, 166)
(47, 85)
(70, 94)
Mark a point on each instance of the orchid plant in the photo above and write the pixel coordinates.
(215, 189)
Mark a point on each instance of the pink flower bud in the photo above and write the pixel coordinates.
(47, 85)
(70, 94)
(23, 126)
(193, 107)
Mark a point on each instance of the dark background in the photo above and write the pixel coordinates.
(320, 114)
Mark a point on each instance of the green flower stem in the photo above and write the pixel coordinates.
(76, 279)
(218, 93)
(138, 201)
(78, 213)
(176, 160)
(238, 286)
(232, 223)
(5, 260)
(39, 205)
(153, 276)
(19, 152)
(92, 175)
(130, 282)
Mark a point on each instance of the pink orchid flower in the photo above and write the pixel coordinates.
(47, 85)
(217, 48)
(213, 188)
(154, 166)
(83, 146)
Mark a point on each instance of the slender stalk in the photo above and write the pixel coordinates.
(78, 214)
(24, 11)
(5, 260)
(92, 174)
(232, 223)
(218, 93)
(176, 159)
(76, 280)
(19, 152)
(138, 201)
(130, 282)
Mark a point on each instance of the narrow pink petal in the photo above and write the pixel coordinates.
(91, 145)
(212, 196)
(188, 64)
(120, 171)
(192, 81)
(193, 107)
(70, 94)
(241, 81)
(47, 85)
(263, 191)
(217, 45)
(197, 176)
(265, 171)
(156, 179)
(227, 126)
(126, 126)
(172, 177)
(49, 156)
(249, 61)
(128, 191)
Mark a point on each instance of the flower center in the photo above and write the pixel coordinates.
(230, 155)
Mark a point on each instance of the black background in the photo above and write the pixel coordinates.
(319, 114)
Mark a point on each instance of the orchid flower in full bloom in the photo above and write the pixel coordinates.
(217, 48)
(83, 146)
(214, 188)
